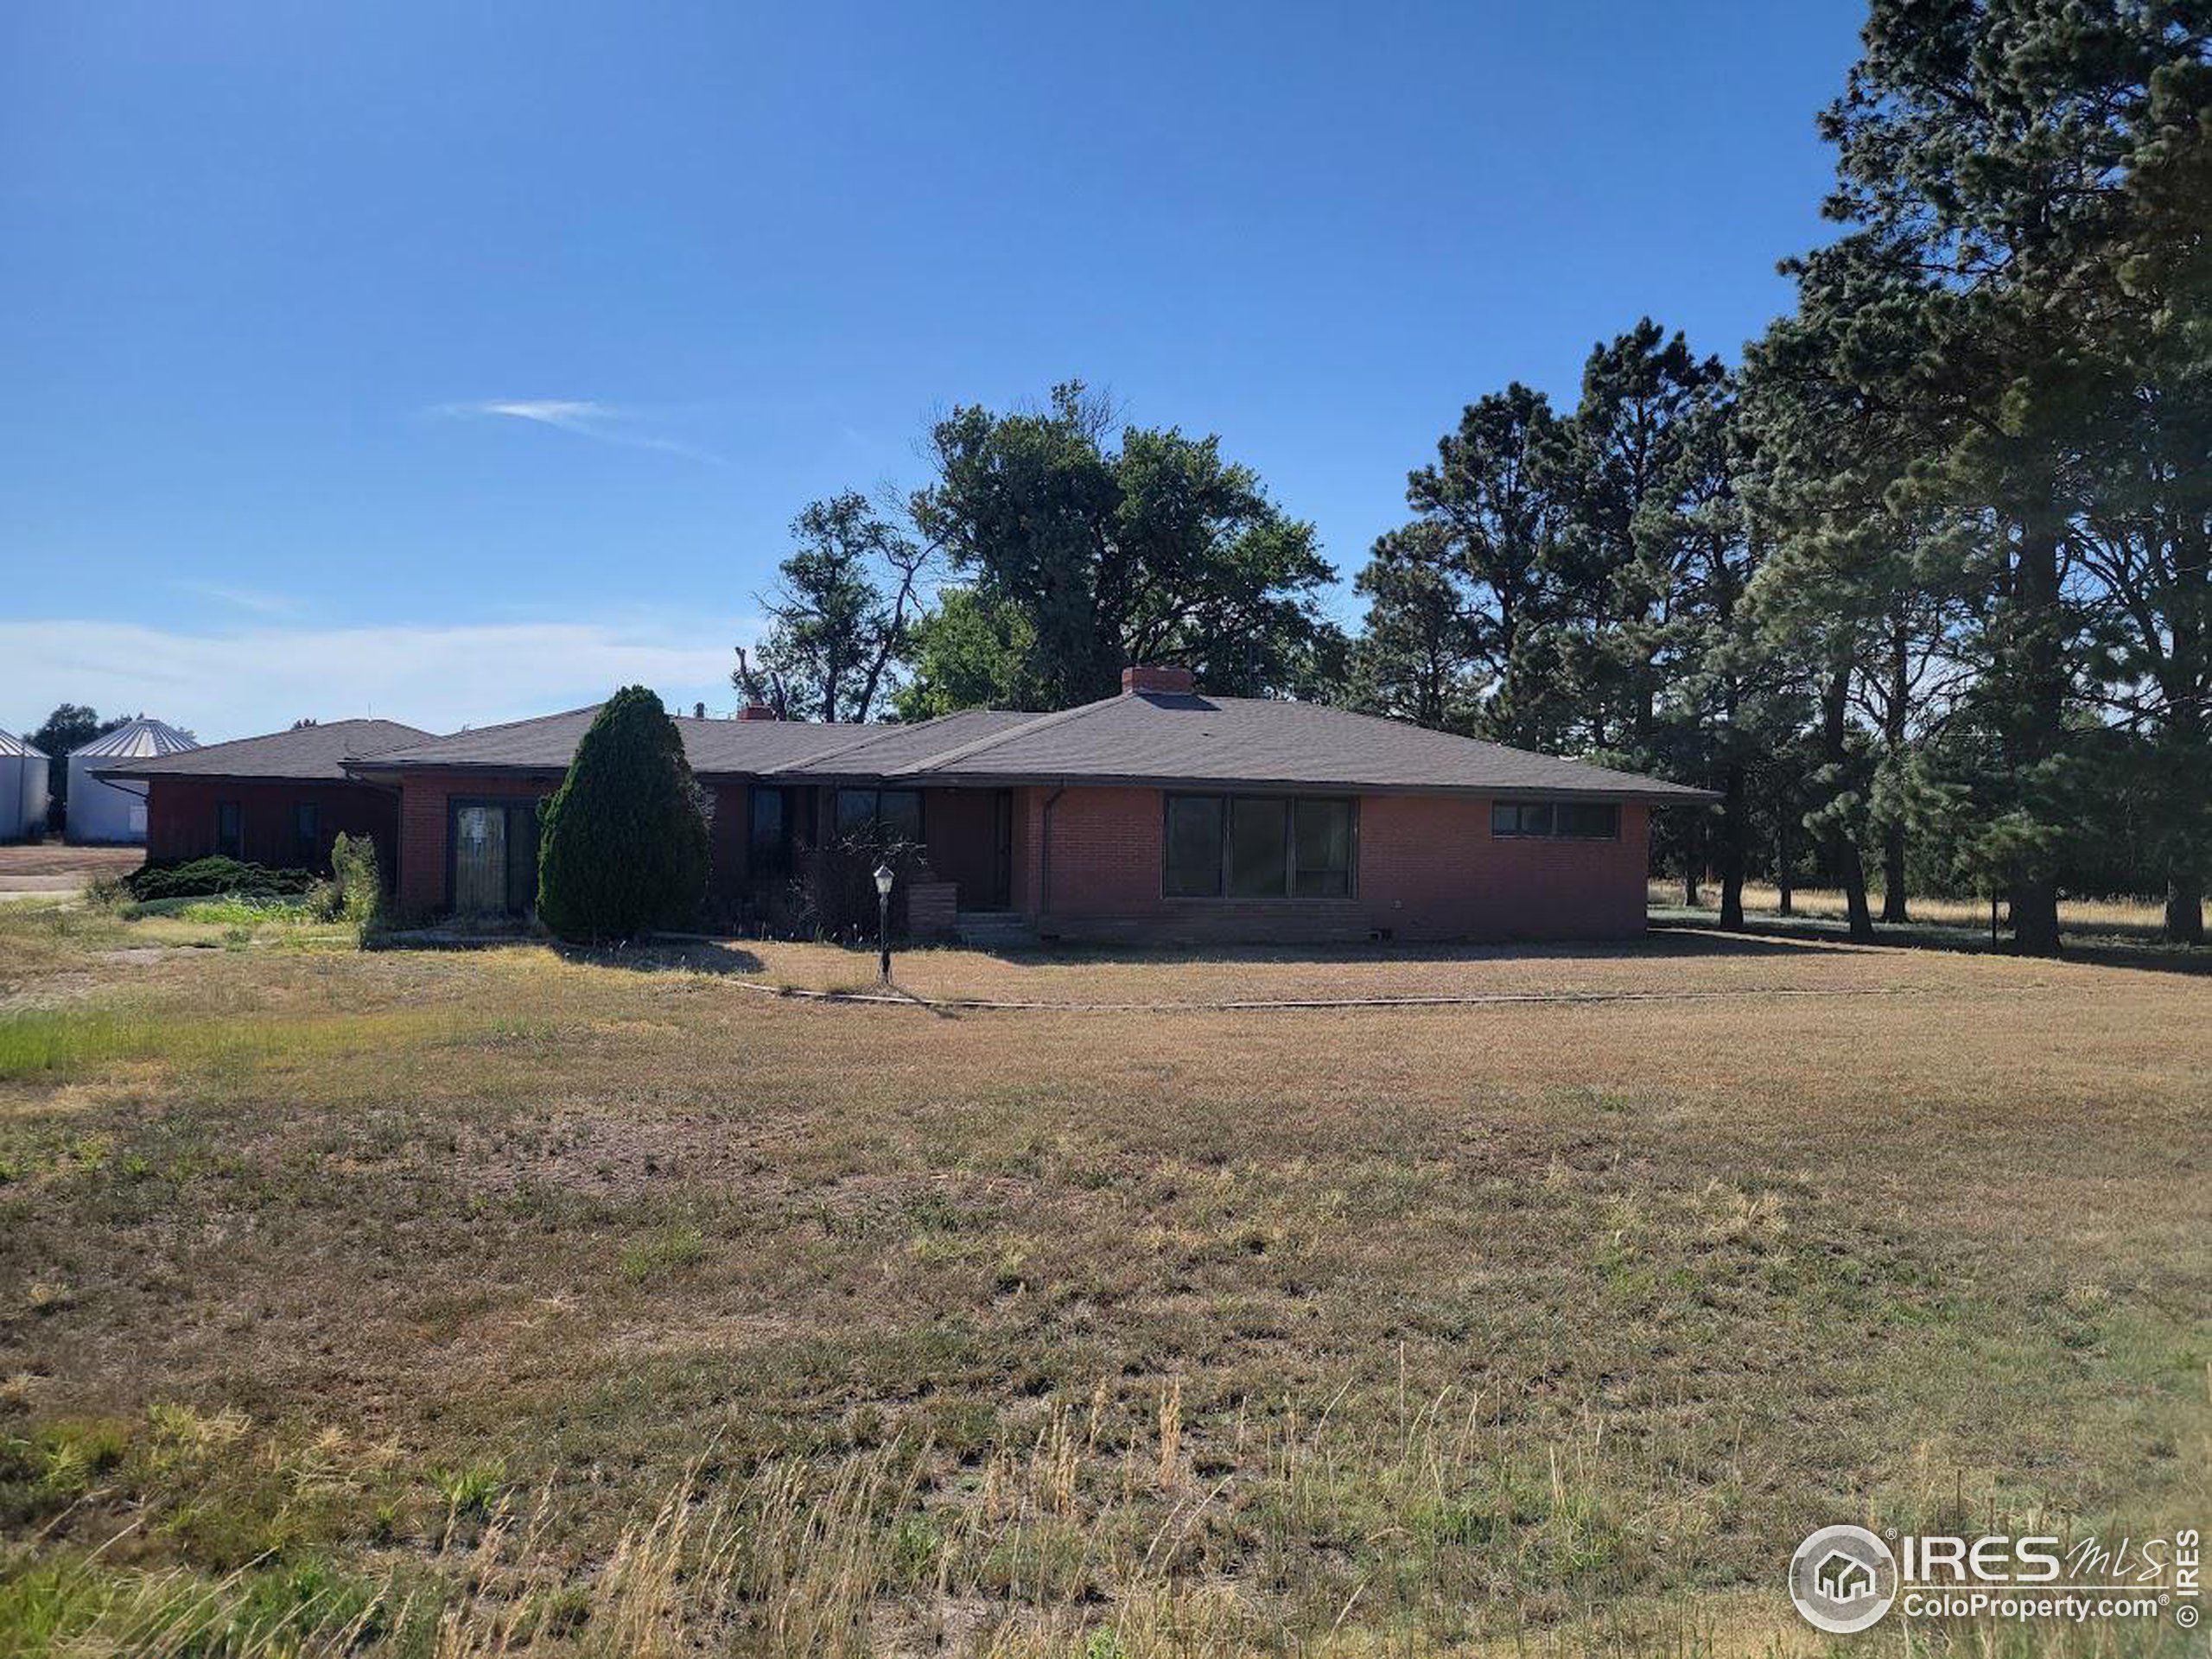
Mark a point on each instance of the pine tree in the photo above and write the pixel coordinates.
(1986, 154)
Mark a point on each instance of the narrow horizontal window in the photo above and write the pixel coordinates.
(1589, 821)
(1555, 820)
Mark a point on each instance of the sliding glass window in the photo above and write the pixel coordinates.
(1258, 847)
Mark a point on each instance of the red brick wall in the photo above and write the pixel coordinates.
(422, 798)
(181, 819)
(1429, 869)
(422, 819)
(728, 837)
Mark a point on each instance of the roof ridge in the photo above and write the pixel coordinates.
(312, 726)
(503, 726)
(1337, 710)
(976, 746)
(879, 732)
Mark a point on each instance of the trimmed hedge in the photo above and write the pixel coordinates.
(623, 850)
(206, 878)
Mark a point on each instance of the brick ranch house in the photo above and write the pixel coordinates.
(278, 800)
(1159, 815)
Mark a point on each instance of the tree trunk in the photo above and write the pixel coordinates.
(1843, 850)
(1784, 881)
(2185, 908)
(2037, 652)
(1894, 729)
(1732, 833)
(1852, 869)
(1893, 872)
(2035, 916)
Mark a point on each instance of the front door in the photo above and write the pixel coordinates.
(494, 857)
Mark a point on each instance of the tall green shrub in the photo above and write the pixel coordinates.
(624, 846)
(358, 883)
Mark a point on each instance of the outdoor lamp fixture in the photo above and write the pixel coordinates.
(883, 878)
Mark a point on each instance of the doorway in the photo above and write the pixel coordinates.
(494, 857)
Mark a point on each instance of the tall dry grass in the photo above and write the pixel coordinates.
(2125, 916)
(1464, 1530)
(1061, 1541)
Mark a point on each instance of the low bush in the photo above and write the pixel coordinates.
(209, 878)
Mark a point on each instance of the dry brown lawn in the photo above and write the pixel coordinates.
(435, 1300)
(1667, 965)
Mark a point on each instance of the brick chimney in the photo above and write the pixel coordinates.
(758, 711)
(1163, 678)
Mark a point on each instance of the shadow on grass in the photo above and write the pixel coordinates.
(1816, 932)
(694, 956)
(1676, 941)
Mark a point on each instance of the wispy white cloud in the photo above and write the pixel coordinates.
(223, 684)
(246, 599)
(585, 417)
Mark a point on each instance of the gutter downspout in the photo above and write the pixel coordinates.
(1045, 853)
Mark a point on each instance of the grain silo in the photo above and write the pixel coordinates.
(23, 788)
(115, 813)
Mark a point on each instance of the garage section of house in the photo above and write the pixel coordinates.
(1161, 815)
(279, 800)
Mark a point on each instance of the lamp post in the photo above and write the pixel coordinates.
(883, 880)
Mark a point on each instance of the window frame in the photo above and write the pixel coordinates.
(782, 859)
(1553, 808)
(875, 814)
(236, 837)
(455, 803)
(306, 829)
(1224, 867)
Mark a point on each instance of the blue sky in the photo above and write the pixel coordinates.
(465, 359)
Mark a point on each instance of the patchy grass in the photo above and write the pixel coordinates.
(472, 1300)
(74, 1041)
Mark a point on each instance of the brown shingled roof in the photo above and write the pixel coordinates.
(1139, 738)
(303, 754)
(1156, 738)
(548, 743)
